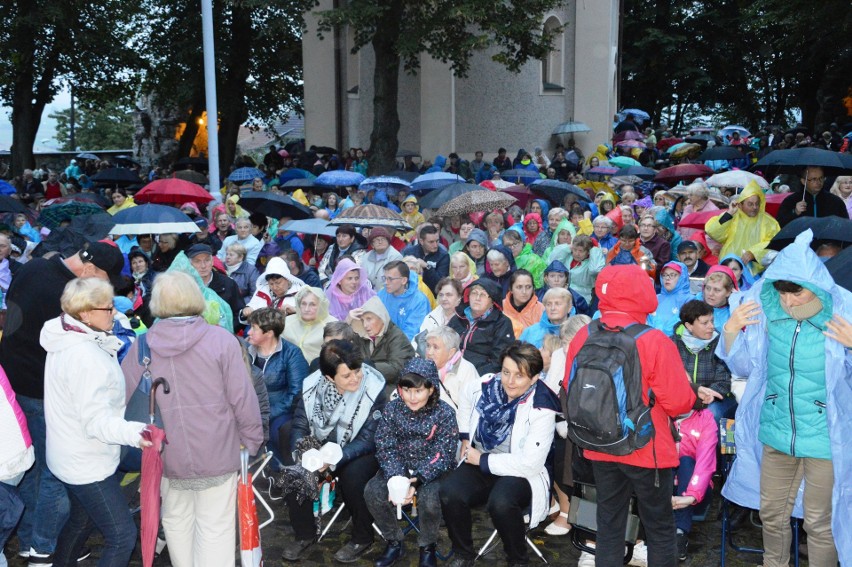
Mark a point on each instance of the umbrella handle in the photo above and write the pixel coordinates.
(152, 404)
(244, 464)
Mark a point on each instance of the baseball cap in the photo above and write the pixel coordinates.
(197, 249)
(107, 257)
(687, 245)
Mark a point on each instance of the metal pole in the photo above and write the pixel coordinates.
(210, 90)
(73, 142)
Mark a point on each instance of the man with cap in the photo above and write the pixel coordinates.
(688, 253)
(34, 298)
(201, 258)
(381, 255)
(204, 236)
(557, 275)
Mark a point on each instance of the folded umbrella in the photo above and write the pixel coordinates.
(152, 474)
(440, 196)
(474, 202)
(152, 219)
(274, 205)
(251, 554)
(172, 190)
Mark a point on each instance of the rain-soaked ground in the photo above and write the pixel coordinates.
(704, 544)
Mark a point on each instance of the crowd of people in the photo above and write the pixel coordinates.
(441, 352)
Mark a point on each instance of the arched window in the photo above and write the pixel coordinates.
(553, 64)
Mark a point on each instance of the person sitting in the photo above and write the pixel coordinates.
(742, 272)
(346, 245)
(243, 273)
(674, 294)
(476, 247)
(499, 266)
(719, 284)
(276, 287)
(507, 426)
(348, 289)
(407, 306)
(462, 268)
(442, 348)
(304, 328)
(604, 228)
(525, 258)
(521, 305)
(340, 403)
(380, 256)
(629, 250)
(687, 253)
(431, 255)
(382, 343)
(557, 308)
(483, 328)
(556, 275)
(297, 267)
(416, 438)
(660, 248)
(449, 297)
(585, 261)
(244, 237)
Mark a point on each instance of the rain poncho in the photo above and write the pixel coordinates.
(216, 310)
(128, 203)
(743, 233)
(749, 356)
(339, 303)
(564, 224)
(747, 278)
(669, 303)
(414, 218)
(530, 261)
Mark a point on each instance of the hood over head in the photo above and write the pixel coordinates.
(751, 190)
(626, 289)
(277, 266)
(477, 235)
(375, 306)
(492, 288)
(322, 311)
(556, 266)
(747, 277)
(682, 286)
(423, 367)
(506, 254)
(799, 264)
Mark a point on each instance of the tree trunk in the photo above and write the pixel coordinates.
(187, 137)
(383, 138)
(232, 85)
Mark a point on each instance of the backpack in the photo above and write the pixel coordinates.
(604, 406)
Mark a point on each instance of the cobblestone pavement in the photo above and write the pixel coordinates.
(704, 545)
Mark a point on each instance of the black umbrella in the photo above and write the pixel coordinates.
(87, 155)
(701, 139)
(10, 205)
(70, 239)
(721, 153)
(825, 228)
(197, 163)
(115, 176)
(298, 184)
(325, 150)
(793, 161)
(274, 206)
(555, 191)
(126, 161)
(640, 171)
(440, 196)
(840, 268)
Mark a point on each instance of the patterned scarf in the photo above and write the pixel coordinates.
(328, 408)
(497, 413)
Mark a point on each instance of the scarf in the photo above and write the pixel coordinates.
(694, 344)
(497, 413)
(328, 408)
(804, 311)
(232, 269)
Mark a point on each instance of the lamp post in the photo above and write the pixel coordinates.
(210, 91)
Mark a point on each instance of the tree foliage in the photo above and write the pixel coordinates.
(95, 127)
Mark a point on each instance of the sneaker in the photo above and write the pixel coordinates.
(640, 555)
(556, 530)
(36, 559)
(350, 552)
(586, 560)
(682, 544)
(293, 550)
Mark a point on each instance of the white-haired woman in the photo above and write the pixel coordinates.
(442, 348)
(699, 202)
(243, 273)
(843, 188)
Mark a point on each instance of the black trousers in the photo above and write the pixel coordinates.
(615, 484)
(352, 479)
(507, 499)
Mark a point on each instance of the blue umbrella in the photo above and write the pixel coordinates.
(339, 178)
(384, 183)
(436, 198)
(6, 189)
(87, 155)
(640, 114)
(639, 171)
(570, 128)
(730, 129)
(523, 176)
(310, 226)
(152, 219)
(555, 190)
(295, 173)
(245, 174)
(435, 180)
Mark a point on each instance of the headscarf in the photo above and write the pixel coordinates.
(530, 237)
(496, 413)
(339, 304)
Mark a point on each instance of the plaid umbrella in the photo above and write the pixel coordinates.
(245, 174)
(191, 176)
(474, 202)
(371, 216)
(172, 190)
(53, 215)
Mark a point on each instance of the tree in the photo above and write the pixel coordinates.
(451, 31)
(43, 44)
(108, 127)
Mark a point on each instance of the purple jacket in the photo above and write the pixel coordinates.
(212, 407)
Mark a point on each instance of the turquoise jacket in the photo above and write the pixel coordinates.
(534, 334)
(749, 356)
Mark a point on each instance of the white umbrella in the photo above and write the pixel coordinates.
(736, 178)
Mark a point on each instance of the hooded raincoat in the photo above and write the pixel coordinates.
(749, 355)
(564, 250)
(409, 309)
(502, 281)
(307, 335)
(388, 351)
(339, 303)
(747, 278)
(669, 303)
(415, 218)
(263, 296)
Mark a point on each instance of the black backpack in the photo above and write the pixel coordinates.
(604, 406)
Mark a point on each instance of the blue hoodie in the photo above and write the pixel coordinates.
(669, 303)
(747, 278)
(408, 310)
(438, 165)
(664, 219)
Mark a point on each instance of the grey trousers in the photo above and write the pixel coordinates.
(780, 478)
(384, 512)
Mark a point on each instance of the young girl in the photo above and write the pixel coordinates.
(415, 438)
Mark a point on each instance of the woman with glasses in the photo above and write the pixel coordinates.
(482, 326)
(674, 293)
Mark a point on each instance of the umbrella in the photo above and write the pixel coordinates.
(701, 139)
(729, 130)
(310, 226)
(698, 220)
(245, 174)
(435, 180)
(640, 114)
(519, 192)
(251, 554)
(625, 180)
(115, 176)
(736, 178)
(570, 128)
(793, 161)
(409, 176)
(298, 183)
(628, 135)
(126, 161)
(384, 183)
(840, 268)
(674, 147)
(6, 189)
(555, 191)
(685, 172)
(197, 162)
(630, 144)
(152, 473)
(684, 149)
(87, 155)
(440, 196)
(666, 143)
(721, 153)
(152, 219)
(773, 202)
(623, 161)
(295, 173)
(273, 205)
(604, 170)
(68, 240)
(498, 183)
(474, 202)
(824, 228)
(172, 190)
(645, 173)
(407, 153)
(371, 216)
(192, 176)
(53, 215)
(524, 176)
(339, 178)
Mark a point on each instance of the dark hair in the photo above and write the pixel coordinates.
(258, 219)
(455, 284)
(526, 356)
(336, 352)
(292, 256)
(629, 231)
(268, 319)
(412, 380)
(127, 286)
(693, 309)
(520, 273)
(428, 229)
(512, 235)
(501, 151)
(346, 229)
(400, 267)
(338, 328)
(785, 286)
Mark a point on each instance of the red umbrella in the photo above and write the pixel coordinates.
(698, 220)
(773, 202)
(628, 135)
(519, 192)
(666, 143)
(683, 173)
(152, 473)
(172, 190)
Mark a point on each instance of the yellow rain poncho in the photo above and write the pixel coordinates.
(743, 233)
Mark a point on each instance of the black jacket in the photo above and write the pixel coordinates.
(823, 205)
(438, 262)
(228, 290)
(482, 342)
(310, 276)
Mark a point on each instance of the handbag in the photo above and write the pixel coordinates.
(137, 408)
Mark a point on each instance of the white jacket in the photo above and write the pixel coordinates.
(84, 402)
(531, 439)
(16, 446)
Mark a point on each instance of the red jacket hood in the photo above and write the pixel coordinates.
(626, 289)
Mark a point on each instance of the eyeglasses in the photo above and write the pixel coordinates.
(478, 295)
(515, 245)
(110, 308)
(670, 276)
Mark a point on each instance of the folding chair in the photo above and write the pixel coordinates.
(728, 449)
(257, 468)
(490, 544)
(412, 522)
(583, 518)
